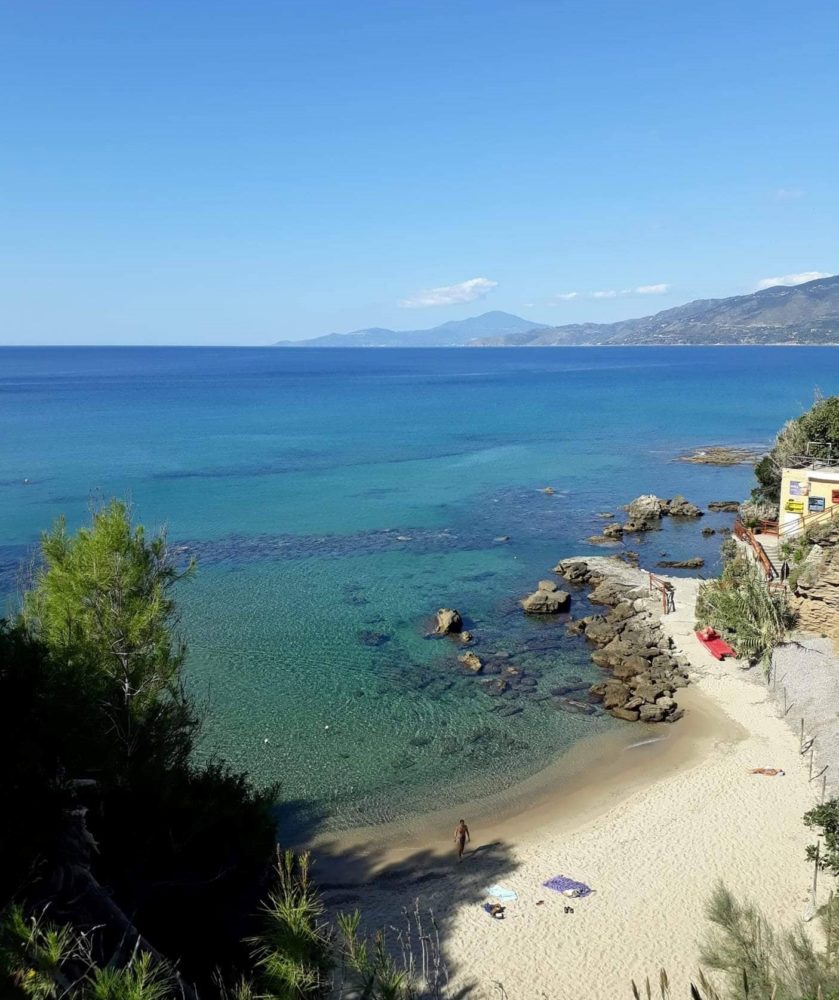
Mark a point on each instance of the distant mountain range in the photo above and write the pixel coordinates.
(457, 333)
(797, 314)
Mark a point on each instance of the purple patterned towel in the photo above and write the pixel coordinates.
(560, 883)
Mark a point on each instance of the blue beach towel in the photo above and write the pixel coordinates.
(561, 883)
(501, 892)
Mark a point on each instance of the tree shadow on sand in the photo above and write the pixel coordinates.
(424, 883)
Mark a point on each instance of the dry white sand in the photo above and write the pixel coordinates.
(652, 849)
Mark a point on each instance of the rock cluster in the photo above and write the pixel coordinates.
(645, 514)
(678, 506)
(630, 644)
(694, 563)
(724, 506)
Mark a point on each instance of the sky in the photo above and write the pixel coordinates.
(240, 172)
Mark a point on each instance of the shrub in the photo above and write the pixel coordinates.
(741, 607)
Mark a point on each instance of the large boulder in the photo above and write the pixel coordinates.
(628, 715)
(630, 667)
(725, 506)
(621, 612)
(608, 592)
(647, 507)
(448, 622)
(650, 713)
(600, 632)
(615, 694)
(695, 562)
(576, 572)
(678, 506)
(546, 602)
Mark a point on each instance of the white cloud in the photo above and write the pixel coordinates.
(788, 194)
(449, 295)
(613, 293)
(791, 279)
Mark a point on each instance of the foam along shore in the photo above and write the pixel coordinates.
(649, 827)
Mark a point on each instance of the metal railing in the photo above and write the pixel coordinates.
(747, 536)
(666, 590)
(801, 524)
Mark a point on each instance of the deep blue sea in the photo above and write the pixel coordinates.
(336, 498)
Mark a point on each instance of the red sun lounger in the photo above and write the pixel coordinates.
(717, 647)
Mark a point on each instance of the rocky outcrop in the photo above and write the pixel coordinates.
(630, 645)
(817, 589)
(695, 563)
(645, 512)
(448, 622)
(721, 455)
(647, 507)
(547, 599)
(575, 571)
(678, 506)
(724, 506)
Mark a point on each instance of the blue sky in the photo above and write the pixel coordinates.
(246, 171)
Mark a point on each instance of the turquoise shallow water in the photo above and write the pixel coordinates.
(332, 495)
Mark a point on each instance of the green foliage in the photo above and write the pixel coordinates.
(91, 688)
(741, 607)
(758, 962)
(101, 604)
(293, 951)
(140, 979)
(370, 968)
(825, 818)
(47, 962)
(33, 954)
(729, 549)
(818, 428)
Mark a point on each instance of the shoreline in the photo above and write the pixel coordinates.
(651, 827)
(582, 784)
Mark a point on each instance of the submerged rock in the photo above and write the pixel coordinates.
(472, 662)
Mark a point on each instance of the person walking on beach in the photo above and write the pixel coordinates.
(461, 836)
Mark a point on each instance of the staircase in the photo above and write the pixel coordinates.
(771, 545)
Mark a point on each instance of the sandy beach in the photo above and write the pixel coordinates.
(658, 816)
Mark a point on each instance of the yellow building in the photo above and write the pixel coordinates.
(807, 495)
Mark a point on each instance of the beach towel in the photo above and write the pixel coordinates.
(567, 886)
(501, 892)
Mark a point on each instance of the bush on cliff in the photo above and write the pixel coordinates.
(815, 432)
